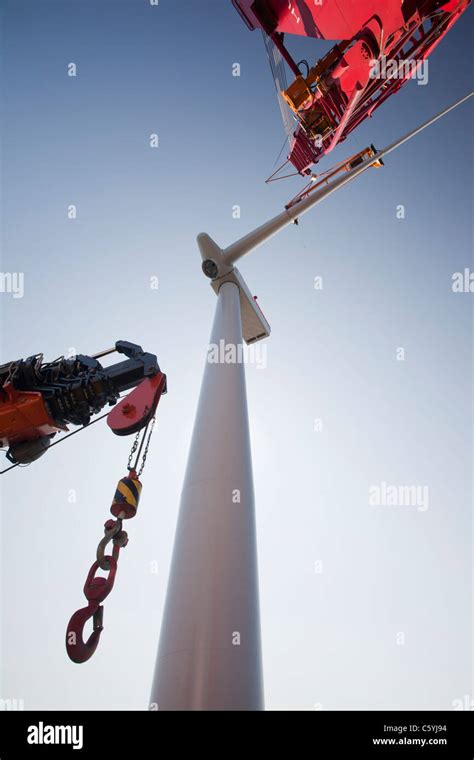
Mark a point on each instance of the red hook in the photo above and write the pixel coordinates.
(96, 589)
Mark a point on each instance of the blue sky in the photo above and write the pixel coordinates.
(329, 637)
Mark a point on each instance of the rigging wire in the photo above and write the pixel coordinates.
(285, 142)
(74, 432)
(279, 78)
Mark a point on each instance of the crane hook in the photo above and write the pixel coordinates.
(96, 589)
(79, 650)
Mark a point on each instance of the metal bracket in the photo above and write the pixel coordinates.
(254, 325)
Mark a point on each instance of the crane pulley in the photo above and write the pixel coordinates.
(39, 399)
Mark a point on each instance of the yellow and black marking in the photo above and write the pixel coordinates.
(126, 498)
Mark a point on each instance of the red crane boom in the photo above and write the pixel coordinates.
(381, 45)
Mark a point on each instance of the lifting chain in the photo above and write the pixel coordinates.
(147, 446)
(134, 467)
(97, 588)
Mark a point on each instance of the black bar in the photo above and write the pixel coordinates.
(311, 734)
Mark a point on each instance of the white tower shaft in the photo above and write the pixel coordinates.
(209, 655)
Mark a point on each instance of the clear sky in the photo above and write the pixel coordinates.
(362, 606)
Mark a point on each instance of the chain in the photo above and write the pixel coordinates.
(136, 445)
(132, 452)
(145, 453)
